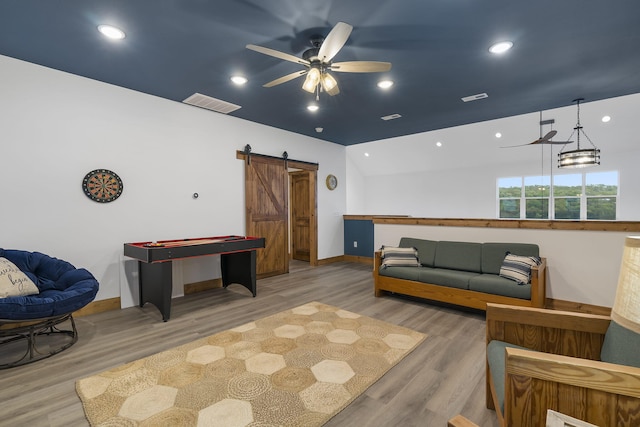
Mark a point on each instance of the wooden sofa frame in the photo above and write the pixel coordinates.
(563, 373)
(462, 297)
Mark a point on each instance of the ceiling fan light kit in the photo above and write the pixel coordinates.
(328, 83)
(581, 157)
(312, 80)
(318, 62)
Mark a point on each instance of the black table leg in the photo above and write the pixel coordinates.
(156, 282)
(239, 267)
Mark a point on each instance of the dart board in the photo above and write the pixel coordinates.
(102, 185)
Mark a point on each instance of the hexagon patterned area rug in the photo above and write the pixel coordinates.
(295, 368)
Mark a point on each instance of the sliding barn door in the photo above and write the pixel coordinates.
(266, 186)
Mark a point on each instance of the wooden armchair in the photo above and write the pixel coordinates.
(563, 373)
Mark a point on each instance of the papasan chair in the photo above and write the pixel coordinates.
(37, 294)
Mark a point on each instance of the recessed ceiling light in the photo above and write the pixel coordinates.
(239, 80)
(385, 84)
(498, 135)
(501, 47)
(111, 32)
(312, 107)
(366, 154)
(606, 118)
(439, 144)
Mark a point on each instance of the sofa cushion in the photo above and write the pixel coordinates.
(426, 249)
(443, 277)
(14, 282)
(621, 346)
(496, 285)
(496, 357)
(462, 256)
(493, 254)
(407, 273)
(518, 267)
(399, 257)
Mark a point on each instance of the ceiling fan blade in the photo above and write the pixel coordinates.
(514, 146)
(361, 67)
(548, 136)
(285, 79)
(334, 41)
(545, 140)
(277, 54)
(542, 140)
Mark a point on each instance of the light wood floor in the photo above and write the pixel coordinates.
(443, 377)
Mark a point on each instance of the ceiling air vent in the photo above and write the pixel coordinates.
(391, 117)
(475, 97)
(209, 103)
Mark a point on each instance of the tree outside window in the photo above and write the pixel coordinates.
(601, 191)
(509, 195)
(580, 196)
(567, 196)
(536, 193)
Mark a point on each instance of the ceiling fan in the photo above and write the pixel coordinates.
(543, 140)
(318, 62)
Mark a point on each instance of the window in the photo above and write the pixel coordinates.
(590, 196)
(509, 195)
(601, 190)
(567, 195)
(536, 197)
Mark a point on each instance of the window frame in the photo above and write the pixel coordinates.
(551, 198)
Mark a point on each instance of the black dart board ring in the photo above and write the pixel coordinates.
(102, 185)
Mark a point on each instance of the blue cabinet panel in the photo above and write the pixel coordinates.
(360, 231)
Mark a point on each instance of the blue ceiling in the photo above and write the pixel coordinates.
(439, 50)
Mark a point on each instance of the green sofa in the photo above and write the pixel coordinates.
(462, 273)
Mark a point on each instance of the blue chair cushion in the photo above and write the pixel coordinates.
(621, 346)
(496, 357)
(63, 288)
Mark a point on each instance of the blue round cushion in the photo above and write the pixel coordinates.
(63, 288)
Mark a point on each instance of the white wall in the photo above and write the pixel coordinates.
(56, 127)
(410, 175)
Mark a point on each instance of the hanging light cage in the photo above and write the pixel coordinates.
(581, 157)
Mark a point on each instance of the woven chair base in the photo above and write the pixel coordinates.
(43, 338)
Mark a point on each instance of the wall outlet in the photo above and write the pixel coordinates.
(355, 244)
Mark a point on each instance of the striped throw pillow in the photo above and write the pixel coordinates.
(399, 257)
(518, 267)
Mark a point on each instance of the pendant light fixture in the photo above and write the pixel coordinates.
(581, 157)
